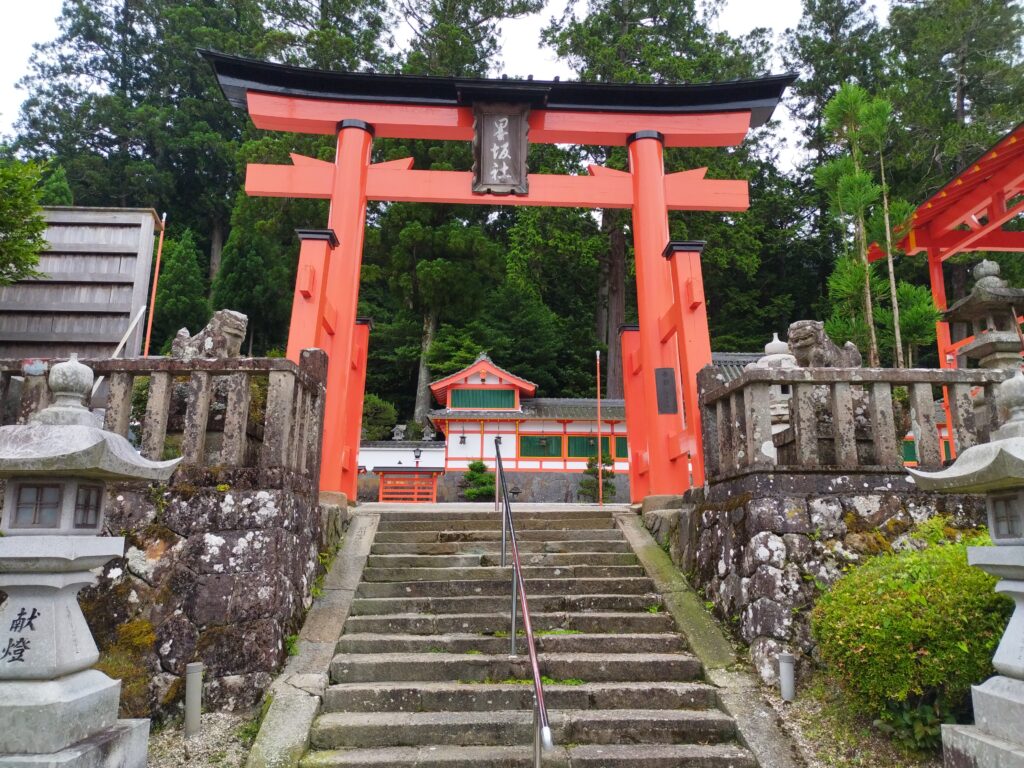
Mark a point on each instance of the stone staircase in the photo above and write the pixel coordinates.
(423, 675)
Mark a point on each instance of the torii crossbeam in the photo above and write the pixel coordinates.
(665, 445)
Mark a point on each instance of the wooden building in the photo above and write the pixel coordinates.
(538, 434)
(96, 268)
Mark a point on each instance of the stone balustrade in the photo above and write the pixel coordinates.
(182, 398)
(840, 418)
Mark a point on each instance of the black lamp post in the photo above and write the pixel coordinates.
(417, 452)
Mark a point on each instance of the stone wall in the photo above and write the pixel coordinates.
(761, 547)
(220, 568)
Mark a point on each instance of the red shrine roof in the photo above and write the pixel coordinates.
(968, 213)
(481, 368)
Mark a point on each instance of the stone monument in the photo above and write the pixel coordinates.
(776, 355)
(996, 468)
(54, 708)
(812, 347)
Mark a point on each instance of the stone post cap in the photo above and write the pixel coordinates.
(57, 554)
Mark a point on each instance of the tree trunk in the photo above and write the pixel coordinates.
(892, 269)
(869, 308)
(419, 414)
(216, 247)
(616, 309)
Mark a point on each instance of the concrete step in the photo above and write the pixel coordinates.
(591, 621)
(490, 560)
(486, 512)
(463, 667)
(494, 547)
(443, 696)
(576, 534)
(529, 572)
(381, 606)
(503, 586)
(576, 756)
(515, 727)
(494, 524)
(653, 642)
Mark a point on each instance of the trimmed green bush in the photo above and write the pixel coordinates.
(479, 483)
(907, 634)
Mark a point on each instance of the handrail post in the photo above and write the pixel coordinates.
(536, 733)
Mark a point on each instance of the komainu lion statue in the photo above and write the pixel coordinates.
(221, 338)
(812, 347)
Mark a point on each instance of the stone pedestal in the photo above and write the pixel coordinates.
(54, 709)
(996, 740)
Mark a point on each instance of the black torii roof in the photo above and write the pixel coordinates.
(237, 75)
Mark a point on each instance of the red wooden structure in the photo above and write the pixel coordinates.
(407, 485)
(666, 442)
(968, 214)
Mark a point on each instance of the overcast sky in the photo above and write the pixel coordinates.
(31, 22)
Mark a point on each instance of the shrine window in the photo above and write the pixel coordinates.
(484, 399)
(540, 446)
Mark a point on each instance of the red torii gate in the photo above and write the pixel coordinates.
(673, 337)
(967, 214)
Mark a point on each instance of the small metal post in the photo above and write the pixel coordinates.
(536, 734)
(515, 595)
(193, 697)
(787, 677)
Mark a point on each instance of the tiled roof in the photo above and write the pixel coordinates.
(541, 408)
(731, 364)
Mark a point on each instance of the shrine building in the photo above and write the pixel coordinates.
(538, 434)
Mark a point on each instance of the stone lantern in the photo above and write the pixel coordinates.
(990, 309)
(996, 469)
(54, 708)
(776, 355)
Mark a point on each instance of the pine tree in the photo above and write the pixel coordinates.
(442, 259)
(121, 100)
(379, 417)
(54, 188)
(589, 482)
(180, 293)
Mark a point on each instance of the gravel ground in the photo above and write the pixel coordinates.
(829, 736)
(223, 742)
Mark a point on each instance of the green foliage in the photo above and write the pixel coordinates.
(907, 634)
(379, 417)
(478, 483)
(589, 481)
(21, 220)
(918, 316)
(181, 291)
(54, 188)
(291, 645)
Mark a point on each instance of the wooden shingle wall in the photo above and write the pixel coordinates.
(97, 268)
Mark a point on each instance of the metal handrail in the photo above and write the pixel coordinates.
(542, 740)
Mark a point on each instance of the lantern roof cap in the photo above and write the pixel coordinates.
(65, 439)
(993, 466)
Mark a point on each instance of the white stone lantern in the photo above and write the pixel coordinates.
(54, 708)
(996, 469)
